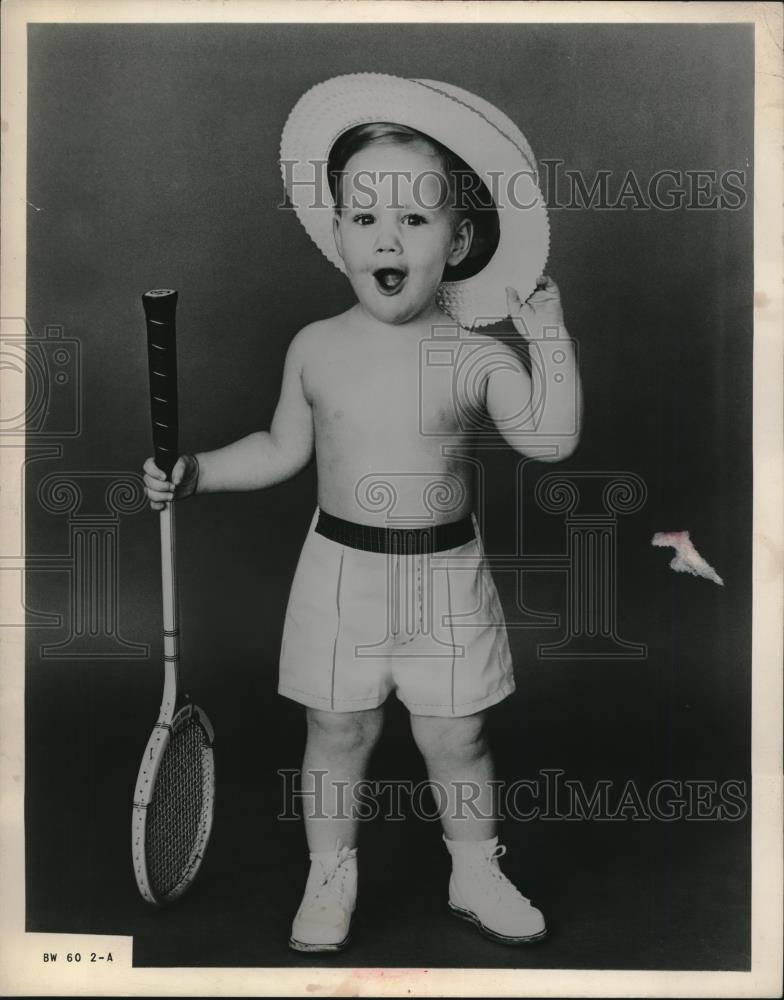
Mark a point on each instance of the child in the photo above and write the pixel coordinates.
(393, 561)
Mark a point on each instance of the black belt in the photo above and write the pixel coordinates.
(403, 541)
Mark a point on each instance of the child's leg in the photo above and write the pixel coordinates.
(336, 756)
(338, 748)
(458, 759)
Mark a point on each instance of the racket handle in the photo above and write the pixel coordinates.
(160, 306)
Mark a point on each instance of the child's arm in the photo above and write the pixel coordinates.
(261, 459)
(538, 414)
(265, 458)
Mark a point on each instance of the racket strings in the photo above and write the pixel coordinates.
(174, 817)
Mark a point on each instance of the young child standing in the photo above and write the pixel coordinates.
(426, 197)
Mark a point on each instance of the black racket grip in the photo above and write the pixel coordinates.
(160, 306)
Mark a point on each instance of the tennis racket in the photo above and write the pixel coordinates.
(175, 791)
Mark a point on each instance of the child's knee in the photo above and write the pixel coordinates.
(444, 738)
(347, 732)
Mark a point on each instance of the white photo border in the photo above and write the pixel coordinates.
(21, 971)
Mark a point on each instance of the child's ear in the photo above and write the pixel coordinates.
(336, 232)
(461, 242)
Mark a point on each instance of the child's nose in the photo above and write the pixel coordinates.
(388, 240)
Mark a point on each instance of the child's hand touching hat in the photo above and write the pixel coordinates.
(540, 311)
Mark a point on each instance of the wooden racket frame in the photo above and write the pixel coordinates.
(176, 710)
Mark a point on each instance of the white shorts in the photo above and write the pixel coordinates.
(428, 626)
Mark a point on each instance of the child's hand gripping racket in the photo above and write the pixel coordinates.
(175, 791)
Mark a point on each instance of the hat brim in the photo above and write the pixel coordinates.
(472, 128)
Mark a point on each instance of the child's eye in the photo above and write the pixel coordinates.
(364, 219)
(412, 219)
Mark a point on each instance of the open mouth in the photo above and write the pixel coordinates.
(389, 280)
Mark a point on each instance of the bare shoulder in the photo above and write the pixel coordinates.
(312, 339)
(304, 342)
(308, 349)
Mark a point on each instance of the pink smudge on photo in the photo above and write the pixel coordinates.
(687, 558)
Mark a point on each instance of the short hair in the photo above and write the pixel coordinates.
(469, 196)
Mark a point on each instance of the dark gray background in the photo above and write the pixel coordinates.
(153, 161)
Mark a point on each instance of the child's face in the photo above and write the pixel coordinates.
(395, 231)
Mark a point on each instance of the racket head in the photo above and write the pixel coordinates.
(173, 805)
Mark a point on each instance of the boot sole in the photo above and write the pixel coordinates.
(472, 918)
(305, 946)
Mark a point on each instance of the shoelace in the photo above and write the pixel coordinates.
(334, 872)
(503, 885)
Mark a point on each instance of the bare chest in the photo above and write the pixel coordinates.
(391, 392)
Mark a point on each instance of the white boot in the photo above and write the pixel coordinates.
(481, 893)
(323, 919)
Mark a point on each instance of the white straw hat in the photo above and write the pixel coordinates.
(488, 141)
